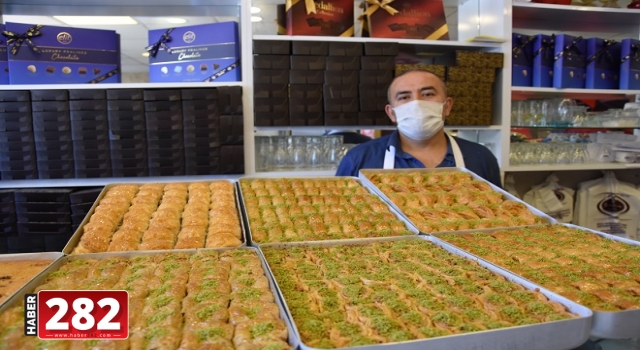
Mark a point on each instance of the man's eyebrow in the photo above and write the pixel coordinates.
(426, 88)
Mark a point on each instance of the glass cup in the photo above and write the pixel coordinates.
(332, 147)
(263, 151)
(298, 152)
(281, 155)
(315, 152)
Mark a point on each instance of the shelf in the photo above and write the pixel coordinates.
(118, 86)
(526, 92)
(431, 43)
(362, 127)
(587, 14)
(105, 181)
(570, 167)
(576, 127)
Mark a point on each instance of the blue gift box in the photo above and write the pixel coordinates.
(543, 48)
(4, 64)
(61, 55)
(630, 64)
(603, 64)
(522, 59)
(206, 52)
(569, 66)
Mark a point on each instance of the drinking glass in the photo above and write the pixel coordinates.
(263, 152)
(299, 152)
(332, 147)
(315, 157)
(281, 154)
(563, 153)
(579, 153)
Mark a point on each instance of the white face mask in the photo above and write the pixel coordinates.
(419, 120)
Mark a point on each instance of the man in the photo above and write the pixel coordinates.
(418, 104)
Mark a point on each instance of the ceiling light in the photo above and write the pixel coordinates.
(96, 20)
(255, 10)
(256, 18)
(145, 54)
(176, 20)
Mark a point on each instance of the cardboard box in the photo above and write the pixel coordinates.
(630, 67)
(271, 47)
(270, 62)
(543, 50)
(300, 76)
(231, 130)
(15, 107)
(375, 77)
(199, 105)
(341, 98)
(15, 96)
(439, 70)
(65, 56)
(323, 18)
(373, 97)
(310, 48)
(158, 106)
(345, 49)
(88, 105)
(88, 115)
(521, 59)
(299, 91)
(4, 64)
(569, 62)
(275, 76)
(263, 91)
(87, 94)
(378, 62)
(373, 118)
(49, 95)
(271, 111)
(230, 99)
(306, 118)
(409, 19)
(206, 52)
(125, 105)
(345, 77)
(161, 95)
(381, 49)
(308, 62)
(343, 63)
(124, 94)
(473, 74)
(199, 94)
(603, 64)
(341, 118)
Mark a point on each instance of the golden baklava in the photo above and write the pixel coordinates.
(209, 300)
(15, 274)
(450, 201)
(594, 271)
(386, 292)
(286, 210)
(163, 216)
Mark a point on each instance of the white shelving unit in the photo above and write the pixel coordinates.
(607, 23)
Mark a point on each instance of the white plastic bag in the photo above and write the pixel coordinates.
(609, 205)
(553, 199)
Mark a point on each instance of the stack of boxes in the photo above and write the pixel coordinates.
(7, 218)
(81, 202)
(90, 133)
(231, 133)
(18, 156)
(201, 121)
(165, 138)
(271, 77)
(127, 133)
(470, 76)
(43, 220)
(318, 83)
(52, 134)
(377, 72)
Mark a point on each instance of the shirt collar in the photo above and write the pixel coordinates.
(394, 141)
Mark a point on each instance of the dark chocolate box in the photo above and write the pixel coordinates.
(58, 146)
(199, 94)
(271, 47)
(308, 62)
(341, 118)
(262, 91)
(162, 95)
(346, 77)
(15, 96)
(324, 18)
(42, 195)
(409, 19)
(15, 126)
(19, 136)
(301, 76)
(161, 106)
(271, 76)
(126, 115)
(19, 175)
(88, 105)
(199, 105)
(343, 63)
(16, 117)
(378, 62)
(49, 95)
(376, 77)
(50, 106)
(313, 48)
(81, 116)
(87, 94)
(341, 98)
(125, 105)
(270, 62)
(381, 49)
(345, 49)
(124, 94)
(15, 107)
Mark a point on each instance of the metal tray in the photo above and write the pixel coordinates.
(606, 324)
(565, 334)
(41, 278)
(410, 226)
(75, 238)
(362, 175)
(53, 256)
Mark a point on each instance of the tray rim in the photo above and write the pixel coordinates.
(54, 256)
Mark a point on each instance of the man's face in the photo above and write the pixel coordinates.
(417, 86)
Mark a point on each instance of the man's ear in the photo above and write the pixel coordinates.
(448, 104)
(390, 113)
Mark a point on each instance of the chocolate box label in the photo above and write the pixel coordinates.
(55, 55)
(410, 19)
(319, 17)
(208, 52)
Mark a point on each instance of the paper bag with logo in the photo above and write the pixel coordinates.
(552, 199)
(609, 205)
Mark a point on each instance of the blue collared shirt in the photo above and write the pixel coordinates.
(370, 155)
